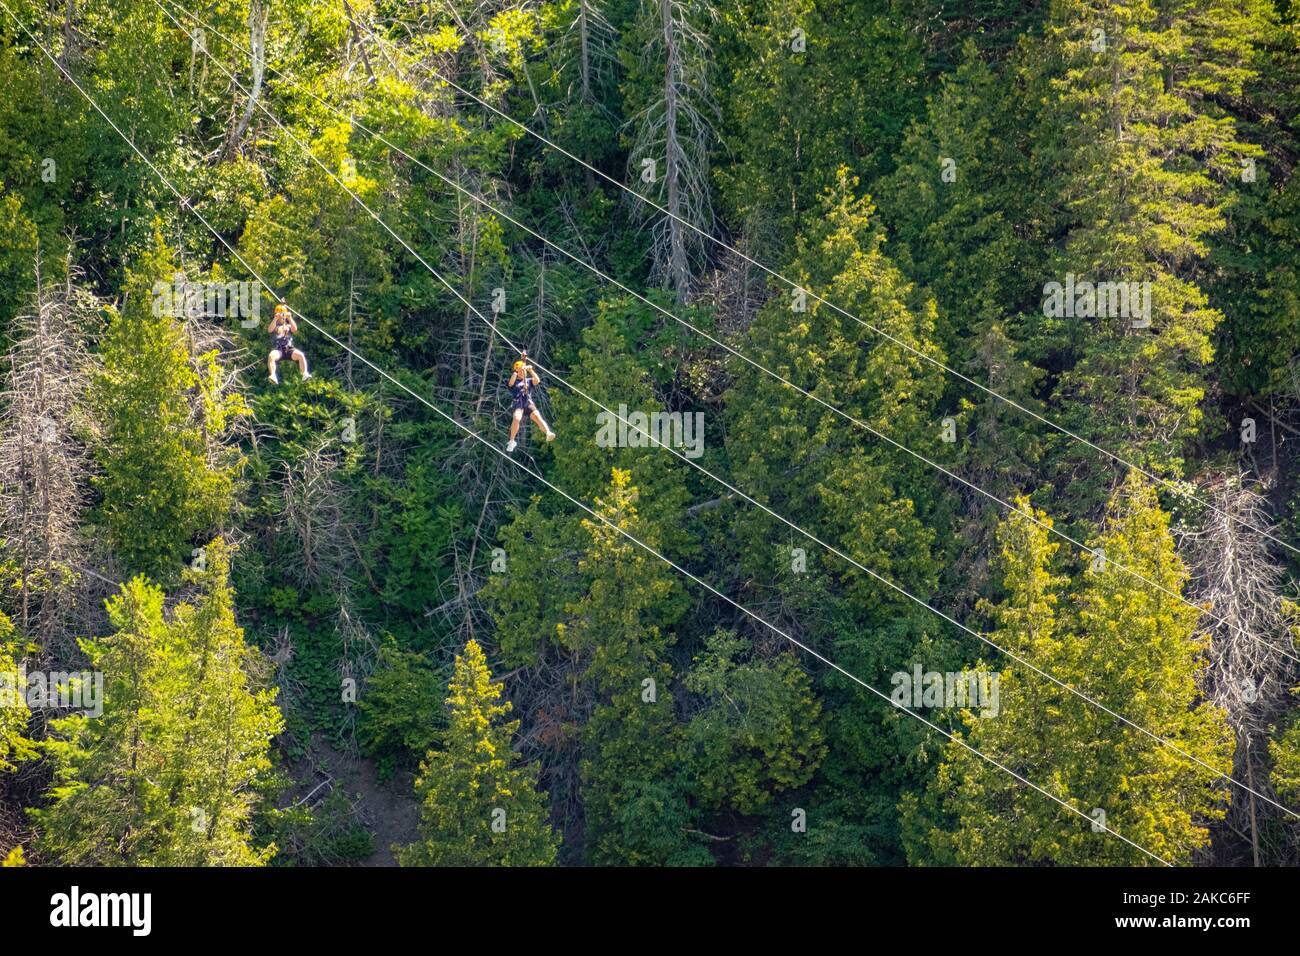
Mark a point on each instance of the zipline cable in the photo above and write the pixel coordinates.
(1173, 486)
(186, 205)
(1047, 525)
(736, 491)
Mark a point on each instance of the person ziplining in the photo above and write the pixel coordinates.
(282, 330)
(522, 381)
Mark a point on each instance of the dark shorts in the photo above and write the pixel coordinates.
(523, 399)
(284, 344)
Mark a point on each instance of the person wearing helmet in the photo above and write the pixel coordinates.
(522, 380)
(283, 327)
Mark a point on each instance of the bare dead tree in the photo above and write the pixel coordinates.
(735, 290)
(676, 127)
(597, 51)
(257, 56)
(359, 647)
(43, 466)
(357, 41)
(594, 67)
(1249, 672)
(316, 511)
(356, 314)
(69, 50)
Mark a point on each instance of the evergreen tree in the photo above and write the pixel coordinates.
(1255, 280)
(814, 466)
(152, 401)
(759, 731)
(400, 721)
(1284, 748)
(1121, 642)
(631, 793)
(167, 775)
(813, 86)
(1008, 143)
(1144, 149)
(961, 226)
(613, 368)
(871, 501)
(476, 807)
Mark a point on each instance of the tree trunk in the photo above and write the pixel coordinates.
(678, 271)
(257, 44)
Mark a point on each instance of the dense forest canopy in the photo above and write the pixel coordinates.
(924, 381)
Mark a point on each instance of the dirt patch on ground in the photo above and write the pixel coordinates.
(386, 808)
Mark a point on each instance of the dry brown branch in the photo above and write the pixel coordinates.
(1249, 672)
(43, 465)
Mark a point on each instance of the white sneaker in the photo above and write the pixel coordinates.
(511, 447)
(550, 436)
(306, 375)
(274, 377)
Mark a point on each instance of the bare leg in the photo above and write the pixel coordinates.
(271, 361)
(540, 422)
(514, 423)
(300, 357)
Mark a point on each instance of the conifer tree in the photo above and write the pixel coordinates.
(812, 465)
(613, 370)
(813, 86)
(631, 798)
(167, 775)
(158, 488)
(1144, 149)
(1284, 748)
(853, 490)
(477, 807)
(1119, 641)
(758, 732)
(960, 223)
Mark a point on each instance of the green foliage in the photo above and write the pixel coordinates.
(962, 226)
(327, 834)
(1284, 748)
(759, 733)
(612, 371)
(812, 465)
(1004, 149)
(794, 119)
(1114, 639)
(14, 745)
(1261, 295)
(1143, 148)
(166, 777)
(401, 719)
(619, 628)
(158, 409)
(476, 807)
(17, 279)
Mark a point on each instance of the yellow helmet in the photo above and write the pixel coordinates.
(281, 308)
(519, 366)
